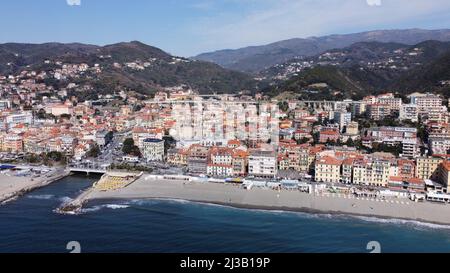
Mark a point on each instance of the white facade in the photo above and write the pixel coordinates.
(409, 112)
(262, 164)
(14, 119)
(153, 149)
(439, 145)
(343, 119)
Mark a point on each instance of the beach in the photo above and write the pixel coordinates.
(267, 199)
(13, 186)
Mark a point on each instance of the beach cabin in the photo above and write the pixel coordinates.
(394, 193)
(236, 180)
(249, 184)
(304, 187)
(432, 186)
(289, 184)
(438, 197)
(273, 185)
(417, 197)
(177, 177)
(319, 188)
(216, 180)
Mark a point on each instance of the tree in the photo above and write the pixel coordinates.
(396, 149)
(316, 138)
(55, 156)
(32, 158)
(41, 114)
(331, 142)
(94, 151)
(284, 106)
(388, 121)
(169, 142)
(129, 148)
(303, 140)
(65, 116)
(350, 142)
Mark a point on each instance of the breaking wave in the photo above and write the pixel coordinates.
(107, 206)
(42, 197)
(394, 221)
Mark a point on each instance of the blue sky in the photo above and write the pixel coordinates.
(189, 27)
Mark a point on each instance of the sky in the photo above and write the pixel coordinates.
(189, 27)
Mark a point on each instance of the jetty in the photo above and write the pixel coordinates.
(31, 185)
(110, 181)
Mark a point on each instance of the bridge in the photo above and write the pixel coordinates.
(89, 168)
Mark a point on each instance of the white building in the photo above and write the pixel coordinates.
(220, 170)
(14, 119)
(439, 145)
(61, 109)
(393, 103)
(343, 119)
(426, 102)
(5, 104)
(410, 148)
(262, 164)
(409, 112)
(153, 149)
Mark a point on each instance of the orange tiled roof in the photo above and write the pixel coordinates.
(328, 160)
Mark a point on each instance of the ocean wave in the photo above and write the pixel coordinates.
(91, 209)
(309, 215)
(65, 199)
(338, 216)
(107, 206)
(142, 202)
(394, 221)
(116, 206)
(42, 197)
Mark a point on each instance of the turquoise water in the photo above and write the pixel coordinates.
(30, 225)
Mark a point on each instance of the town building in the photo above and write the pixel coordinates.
(409, 112)
(427, 167)
(328, 169)
(153, 149)
(328, 134)
(262, 164)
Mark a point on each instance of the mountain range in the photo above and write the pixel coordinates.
(254, 59)
(155, 68)
(365, 68)
(354, 65)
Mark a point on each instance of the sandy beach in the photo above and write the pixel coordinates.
(258, 198)
(12, 186)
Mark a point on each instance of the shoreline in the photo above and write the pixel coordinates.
(15, 193)
(270, 200)
(279, 209)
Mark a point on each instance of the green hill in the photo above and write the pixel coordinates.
(161, 70)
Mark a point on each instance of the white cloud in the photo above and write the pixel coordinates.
(374, 2)
(74, 2)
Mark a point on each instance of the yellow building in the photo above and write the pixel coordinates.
(371, 172)
(427, 167)
(443, 175)
(328, 169)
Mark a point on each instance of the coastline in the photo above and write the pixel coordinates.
(13, 187)
(270, 200)
(281, 209)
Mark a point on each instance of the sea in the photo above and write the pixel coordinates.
(31, 225)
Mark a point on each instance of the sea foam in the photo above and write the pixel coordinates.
(41, 197)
